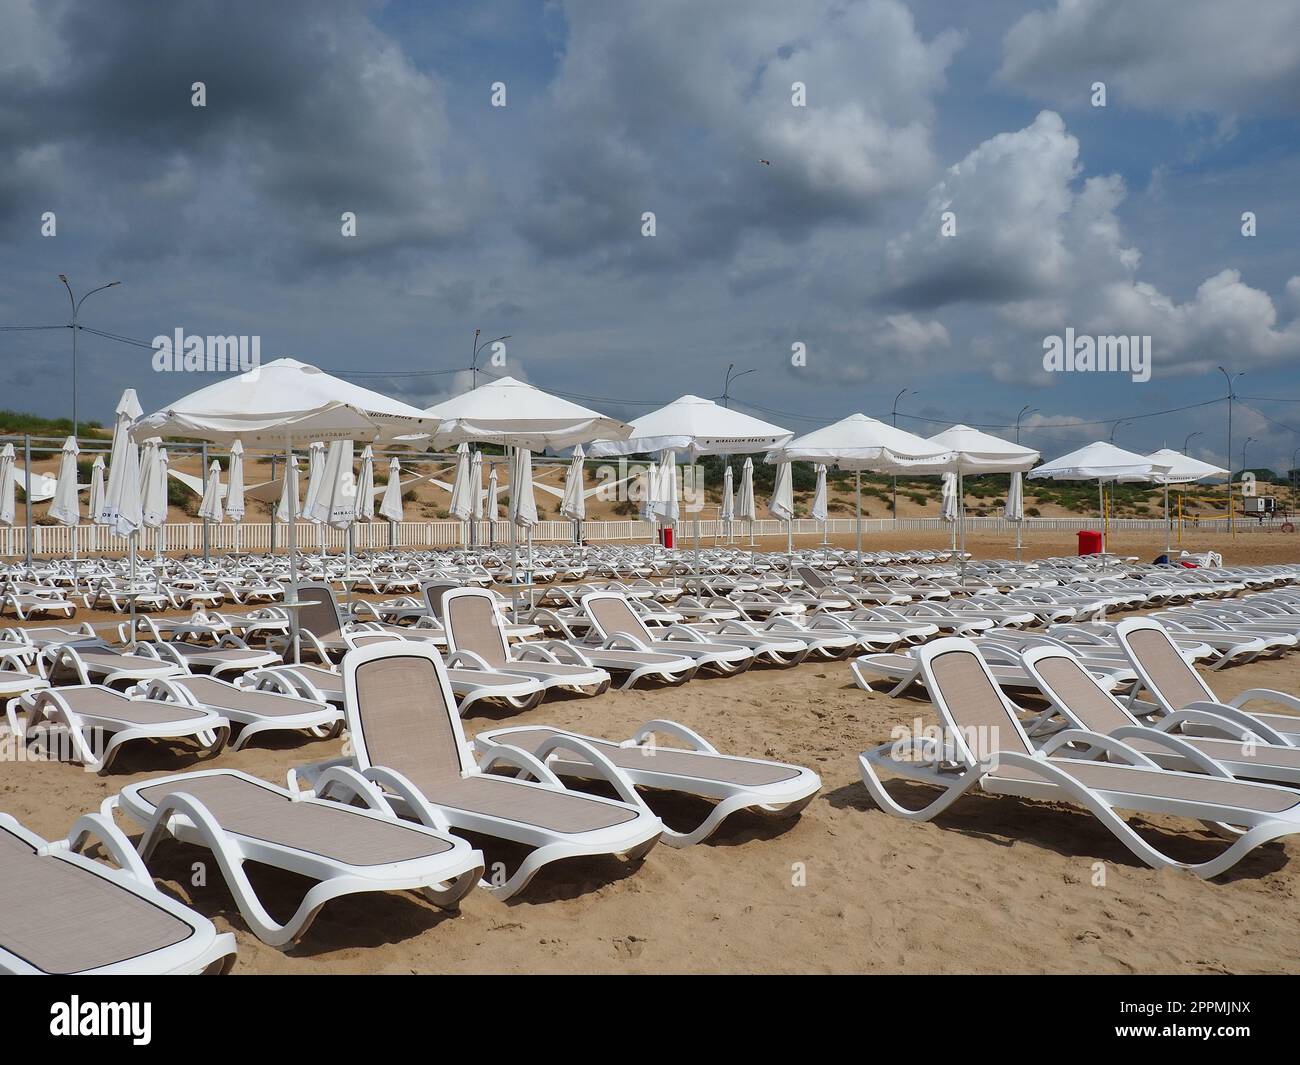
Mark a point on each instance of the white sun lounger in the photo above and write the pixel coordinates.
(345, 849)
(986, 747)
(63, 914)
(407, 740)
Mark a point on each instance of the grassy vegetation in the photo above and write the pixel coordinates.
(16, 422)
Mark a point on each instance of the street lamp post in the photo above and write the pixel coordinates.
(1026, 409)
(1122, 421)
(893, 417)
(1230, 378)
(473, 365)
(1190, 437)
(76, 328)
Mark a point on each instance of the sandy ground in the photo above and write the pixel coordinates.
(995, 885)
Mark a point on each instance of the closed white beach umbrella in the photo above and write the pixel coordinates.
(727, 512)
(315, 473)
(746, 508)
(819, 505)
(210, 507)
(366, 485)
(523, 505)
(286, 510)
(153, 484)
(7, 495)
(781, 505)
(574, 504)
(948, 499)
(335, 502)
(476, 479)
(661, 490)
(1015, 510)
(493, 512)
(122, 511)
(390, 506)
(66, 507)
(96, 503)
(462, 491)
(235, 507)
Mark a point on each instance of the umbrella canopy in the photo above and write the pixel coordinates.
(210, 507)
(476, 479)
(1100, 461)
(781, 505)
(976, 452)
(948, 498)
(861, 443)
(523, 507)
(66, 508)
(390, 506)
(366, 485)
(1181, 468)
(819, 508)
(153, 484)
(507, 411)
(287, 509)
(660, 503)
(7, 497)
(727, 512)
(574, 504)
(1015, 510)
(235, 491)
(462, 491)
(746, 510)
(122, 511)
(335, 501)
(283, 402)
(698, 426)
(96, 503)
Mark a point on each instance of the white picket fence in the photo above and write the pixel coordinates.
(187, 537)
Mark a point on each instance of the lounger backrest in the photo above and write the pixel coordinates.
(811, 577)
(433, 593)
(1162, 669)
(966, 694)
(470, 615)
(611, 614)
(1070, 685)
(401, 713)
(322, 619)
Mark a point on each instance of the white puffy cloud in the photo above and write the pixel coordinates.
(1167, 56)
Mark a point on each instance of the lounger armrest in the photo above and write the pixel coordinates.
(467, 660)
(1174, 743)
(503, 754)
(525, 651)
(163, 689)
(624, 641)
(352, 784)
(683, 630)
(101, 827)
(598, 761)
(1227, 719)
(1282, 698)
(678, 731)
(561, 651)
(1109, 744)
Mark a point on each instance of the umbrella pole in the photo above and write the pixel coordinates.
(293, 561)
(131, 597)
(207, 531)
(857, 516)
(27, 493)
(1101, 503)
(1168, 530)
(961, 510)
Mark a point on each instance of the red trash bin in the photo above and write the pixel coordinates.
(1089, 542)
(666, 536)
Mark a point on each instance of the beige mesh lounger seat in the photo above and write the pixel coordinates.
(16, 680)
(64, 914)
(986, 745)
(97, 721)
(407, 740)
(697, 769)
(347, 850)
(903, 671)
(617, 624)
(476, 640)
(77, 664)
(1176, 686)
(250, 709)
(1078, 702)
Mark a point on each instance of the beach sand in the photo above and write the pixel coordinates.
(994, 885)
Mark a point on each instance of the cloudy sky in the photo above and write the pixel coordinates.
(527, 219)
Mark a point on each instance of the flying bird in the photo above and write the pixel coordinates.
(766, 162)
